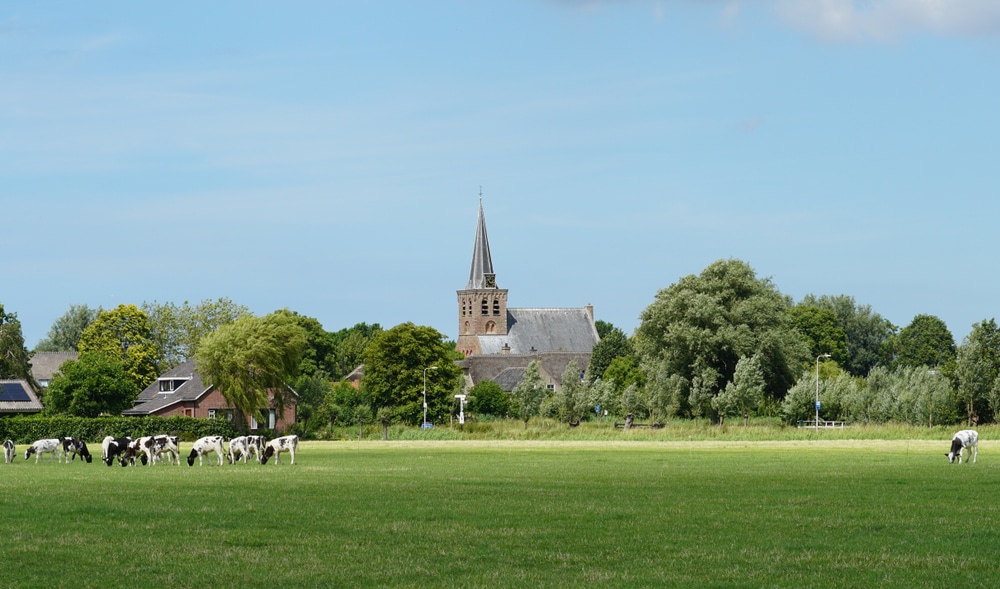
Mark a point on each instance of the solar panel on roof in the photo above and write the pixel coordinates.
(13, 391)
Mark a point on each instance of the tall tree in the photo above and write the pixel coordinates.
(123, 334)
(64, 335)
(94, 384)
(252, 359)
(318, 356)
(868, 334)
(822, 330)
(701, 326)
(977, 371)
(396, 361)
(572, 398)
(613, 344)
(926, 341)
(14, 358)
(178, 329)
(744, 394)
(529, 394)
(350, 344)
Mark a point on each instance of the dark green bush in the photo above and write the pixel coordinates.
(25, 430)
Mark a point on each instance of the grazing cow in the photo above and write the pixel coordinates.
(167, 445)
(113, 448)
(140, 448)
(52, 446)
(278, 445)
(238, 449)
(73, 446)
(242, 447)
(8, 451)
(205, 445)
(966, 438)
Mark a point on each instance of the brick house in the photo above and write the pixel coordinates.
(181, 391)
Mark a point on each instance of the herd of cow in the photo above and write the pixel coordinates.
(152, 449)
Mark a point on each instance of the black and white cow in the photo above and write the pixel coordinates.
(256, 445)
(205, 445)
(966, 438)
(278, 445)
(51, 446)
(243, 447)
(168, 446)
(112, 448)
(8, 451)
(72, 447)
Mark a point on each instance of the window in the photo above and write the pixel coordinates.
(211, 413)
(551, 387)
(486, 307)
(166, 386)
(270, 415)
(491, 327)
(496, 307)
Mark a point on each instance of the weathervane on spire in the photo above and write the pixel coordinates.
(480, 194)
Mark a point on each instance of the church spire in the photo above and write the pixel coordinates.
(481, 273)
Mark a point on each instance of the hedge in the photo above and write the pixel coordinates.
(25, 430)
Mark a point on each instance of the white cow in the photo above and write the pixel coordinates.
(51, 446)
(966, 438)
(205, 445)
(278, 445)
(166, 445)
(8, 451)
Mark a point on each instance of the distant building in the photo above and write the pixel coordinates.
(181, 391)
(499, 342)
(17, 396)
(44, 365)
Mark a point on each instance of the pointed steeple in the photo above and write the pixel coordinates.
(481, 273)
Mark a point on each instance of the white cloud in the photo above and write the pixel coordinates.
(887, 20)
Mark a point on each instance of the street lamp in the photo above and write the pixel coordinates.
(424, 423)
(817, 388)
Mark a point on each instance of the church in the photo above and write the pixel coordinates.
(499, 342)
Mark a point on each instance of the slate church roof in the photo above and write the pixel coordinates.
(543, 330)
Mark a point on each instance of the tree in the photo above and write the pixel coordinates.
(177, 330)
(349, 347)
(486, 397)
(64, 335)
(624, 372)
(92, 385)
(251, 359)
(823, 331)
(572, 399)
(977, 370)
(744, 393)
(395, 361)
(867, 333)
(15, 362)
(318, 354)
(701, 326)
(529, 394)
(123, 334)
(312, 390)
(614, 344)
(926, 341)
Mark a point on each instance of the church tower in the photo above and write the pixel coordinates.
(482, 307)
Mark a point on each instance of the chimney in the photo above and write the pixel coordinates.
(590, 311)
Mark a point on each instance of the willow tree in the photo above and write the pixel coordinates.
(253, 359)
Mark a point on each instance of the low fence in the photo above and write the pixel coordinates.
(813, 424)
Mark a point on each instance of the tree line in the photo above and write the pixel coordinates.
(720, 344)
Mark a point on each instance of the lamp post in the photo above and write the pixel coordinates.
(424, 422)
(817, 388)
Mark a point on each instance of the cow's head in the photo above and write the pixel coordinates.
(955, 452)
(268, 453)
(191, 457)
(29, 452)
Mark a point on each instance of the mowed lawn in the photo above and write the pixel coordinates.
(514, 514)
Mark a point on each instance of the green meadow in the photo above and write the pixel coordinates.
(800, 513)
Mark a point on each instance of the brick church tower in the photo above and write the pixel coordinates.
(482, 307)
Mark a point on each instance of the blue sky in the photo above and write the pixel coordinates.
(327, 157)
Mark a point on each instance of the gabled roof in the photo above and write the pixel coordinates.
(188, 386)
(17, 396)
(482, 262)
(509, 378)
(45, 364)
(543, 330)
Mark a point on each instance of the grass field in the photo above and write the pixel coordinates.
(838, 513)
